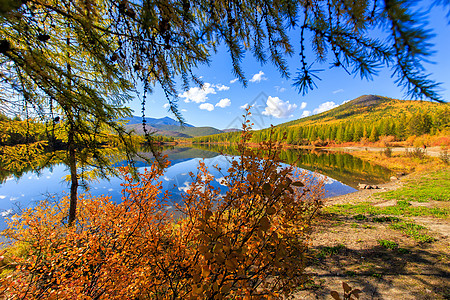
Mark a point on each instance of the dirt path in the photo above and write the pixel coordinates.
(347, 248)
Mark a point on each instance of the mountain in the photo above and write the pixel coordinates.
(154, 122)
(169, 127)
(139, 130)
(361, 106)
(370, 108)
(369, 118)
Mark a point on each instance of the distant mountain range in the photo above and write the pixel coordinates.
(169, 127)
(133, 120)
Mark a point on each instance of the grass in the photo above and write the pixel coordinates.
(360, 217)
(329, 251)
(398, 161)
(433, 186)
(417, 232)
(385, 219)
(388, 244)
(402, 208)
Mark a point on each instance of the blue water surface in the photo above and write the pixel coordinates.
(26, 191)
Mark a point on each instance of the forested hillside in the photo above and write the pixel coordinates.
(367, 118)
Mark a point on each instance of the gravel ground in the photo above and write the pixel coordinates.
(344, 249)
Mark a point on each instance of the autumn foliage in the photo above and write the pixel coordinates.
(248, 242)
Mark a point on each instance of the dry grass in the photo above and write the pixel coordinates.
(400, 161)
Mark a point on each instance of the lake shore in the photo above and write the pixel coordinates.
(430, 151)
(386, 245)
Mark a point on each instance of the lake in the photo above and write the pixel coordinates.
(342, 173)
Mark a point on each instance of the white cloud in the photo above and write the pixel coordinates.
(258, 77)
(206, 106)
(6, 213)
(244, 106)
(325, 106)
(234, 80)
(167, 105)
(306, 113)
(198, 95)
(222, 181)
(278, 108)
(185, 188)
(325, 179)
(2, 196)
(184, 110)
(222, 87)
(338, 91)
(303, 105)
(346, 101)
(280, 89)
(224, 103)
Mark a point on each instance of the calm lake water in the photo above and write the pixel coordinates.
(342, 174)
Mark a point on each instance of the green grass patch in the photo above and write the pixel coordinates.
(385, 219)
(388, 244)
(416, 231)
(360, 217)
(433, 186)
(329, 251)
(377, 275)
(403, 208)
(402, 251)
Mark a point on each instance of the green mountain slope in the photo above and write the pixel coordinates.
(369, 107)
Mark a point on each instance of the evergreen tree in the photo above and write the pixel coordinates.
(340, 134)
(373, 134)
(290, 136)
(313, 134)
(419, 123)
(333, 133)
(349, 130)
(357, 133)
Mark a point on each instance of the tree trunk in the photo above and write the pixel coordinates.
(73, 177)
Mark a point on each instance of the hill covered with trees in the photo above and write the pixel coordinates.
(368, 118)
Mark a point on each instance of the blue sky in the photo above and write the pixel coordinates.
(220, 103)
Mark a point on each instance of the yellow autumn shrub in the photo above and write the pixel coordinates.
(247, 242)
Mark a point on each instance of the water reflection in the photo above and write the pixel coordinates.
(339, 166)
(22, 187)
